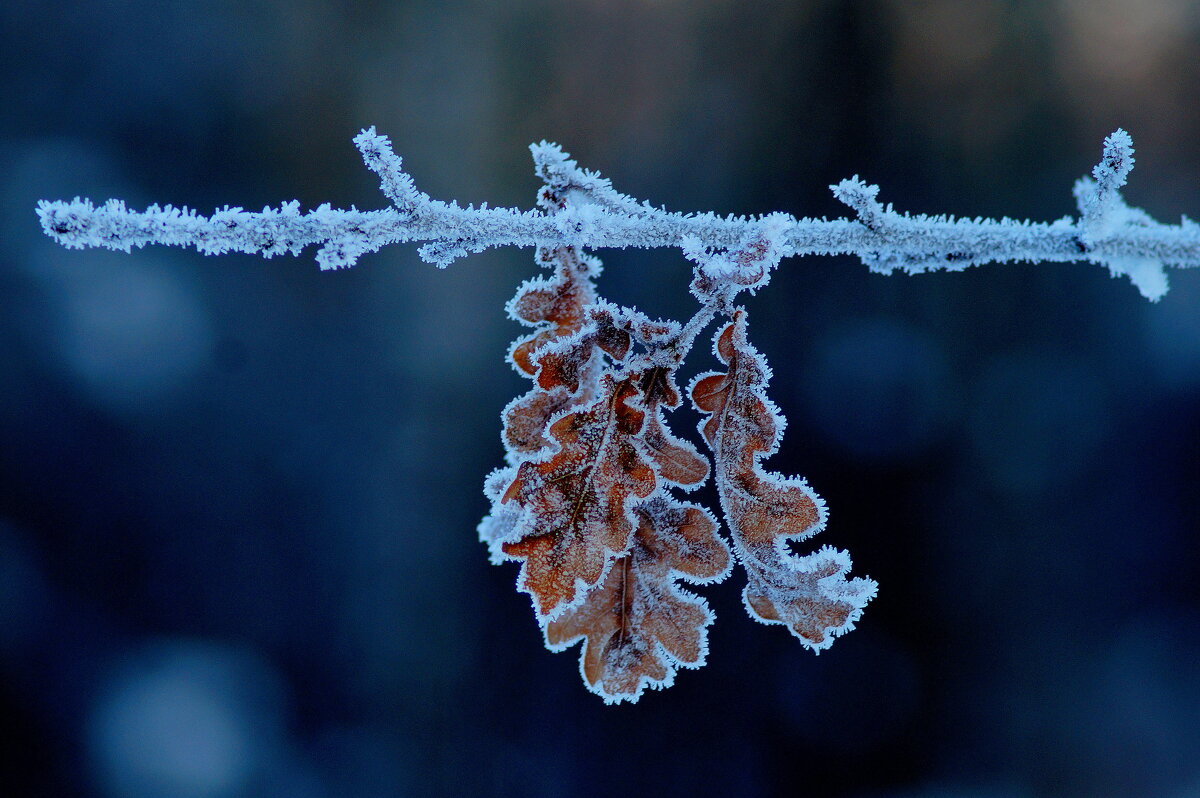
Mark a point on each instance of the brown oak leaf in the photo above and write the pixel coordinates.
(575, 501)
(527, 418)
(568, 369)
(765, 512)
(637, 625)
(554, 305)
(563, 309)
(567, 361)
(676, 460)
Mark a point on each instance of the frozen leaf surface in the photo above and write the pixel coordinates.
(556, 307)
(553, 305)
(576, 501)
(765, 512)
(637, 625)
(676, 460)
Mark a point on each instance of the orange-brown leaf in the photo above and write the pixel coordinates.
(677, 461)
(765, 511)
(527, 417)
(568, 368)
(637, 625)
(555, 305)
(561, 354)
(575, 501)
(566, 362)
(811, 596)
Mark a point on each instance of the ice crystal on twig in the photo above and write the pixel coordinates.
(1104, 216)
(396, 183)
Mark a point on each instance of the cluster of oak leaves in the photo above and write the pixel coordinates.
(585, 502)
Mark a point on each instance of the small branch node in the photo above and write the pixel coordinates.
(861, 197)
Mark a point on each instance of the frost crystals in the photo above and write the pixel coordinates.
(1104, 215)
(586, 502)
(810, 594)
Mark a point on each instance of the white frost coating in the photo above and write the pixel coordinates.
(377, 154)
(857, 592)
(1104, 217)
(1147, 274)
(582, 208)
(748, 265)
(861, 197)
(498, 525)
(1100, 196)
(563, 177)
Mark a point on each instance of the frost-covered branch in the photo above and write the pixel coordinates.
(399, 187)
(586, 500)
(581, 208)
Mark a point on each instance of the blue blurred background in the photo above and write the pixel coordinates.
(237, 537)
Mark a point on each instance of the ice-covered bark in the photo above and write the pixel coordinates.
(580, 209)
(1104, 218)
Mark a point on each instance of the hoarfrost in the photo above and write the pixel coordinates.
(580, 208)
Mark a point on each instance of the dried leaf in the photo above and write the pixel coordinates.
(527, 417)
(575, 501)
(809, 594)
(568, 370)
(566, 361)
(555, 305)
(676, 460)
(637, 625)
(567, 337)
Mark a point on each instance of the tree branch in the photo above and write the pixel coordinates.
(581, 209)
